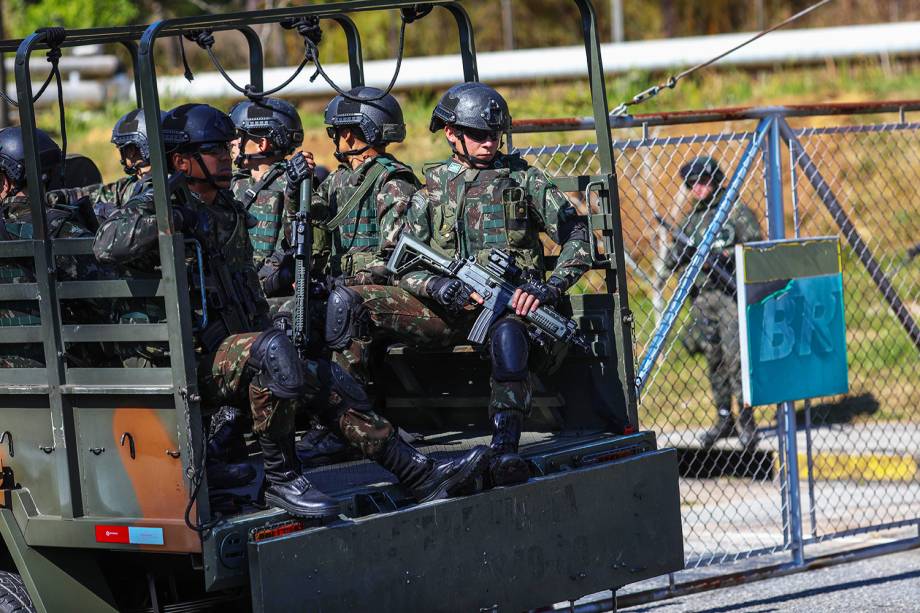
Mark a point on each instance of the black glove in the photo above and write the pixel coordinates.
(547, 293)
(296, 170)
(450, 292)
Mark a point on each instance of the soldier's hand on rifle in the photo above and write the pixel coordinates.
(532, 294)
(298, 167)
(452, 293)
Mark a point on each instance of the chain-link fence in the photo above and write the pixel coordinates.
(855, 456)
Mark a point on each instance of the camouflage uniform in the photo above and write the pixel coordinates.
(104, 198)
(713, 307)
(117, 192)
(224, 347)
(271, 210)
(62, 223)
(464, 212)
(361, 240)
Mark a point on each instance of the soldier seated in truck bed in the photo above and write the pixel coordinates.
(242, 359)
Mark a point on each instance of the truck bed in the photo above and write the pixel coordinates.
(365, 489)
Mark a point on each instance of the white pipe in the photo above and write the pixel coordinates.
(528, 65)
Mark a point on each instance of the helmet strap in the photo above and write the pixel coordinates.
(241, 157)
(343, 156)
(466, 158)
(208, 177)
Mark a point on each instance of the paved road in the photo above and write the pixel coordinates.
(888, 583)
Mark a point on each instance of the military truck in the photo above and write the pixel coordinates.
(105, 505)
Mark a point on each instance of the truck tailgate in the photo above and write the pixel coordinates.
(554, 538)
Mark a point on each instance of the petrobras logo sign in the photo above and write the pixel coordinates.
(791, 320)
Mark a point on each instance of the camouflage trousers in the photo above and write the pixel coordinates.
(396, 315)
(393, 315)
(716, 315)
(330, 393)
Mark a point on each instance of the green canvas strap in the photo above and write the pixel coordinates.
(369, 180)
(250, 195)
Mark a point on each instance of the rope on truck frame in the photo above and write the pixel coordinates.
(309, 29)
(671, 82)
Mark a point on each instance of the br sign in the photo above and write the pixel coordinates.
(790, 308)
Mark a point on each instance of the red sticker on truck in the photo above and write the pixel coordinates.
(112, 534)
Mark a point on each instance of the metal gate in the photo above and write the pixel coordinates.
(824, 469)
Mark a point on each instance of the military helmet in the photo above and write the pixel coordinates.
(131, 129)
(471, 105)
(271, 118)
(378, 116)
(187, 126)
(12, 155)
(702, 166)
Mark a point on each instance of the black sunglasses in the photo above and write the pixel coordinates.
(481, 136)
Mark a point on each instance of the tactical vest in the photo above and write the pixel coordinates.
(264, 201)
(489, 211)
(356, 237)
(231, 286)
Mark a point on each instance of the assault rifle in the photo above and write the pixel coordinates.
(495, 282)
(723, 277)
(303, 249)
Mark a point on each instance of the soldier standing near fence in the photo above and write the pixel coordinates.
(714, 309)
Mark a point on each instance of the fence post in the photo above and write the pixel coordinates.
(776, 228)
(684, 285)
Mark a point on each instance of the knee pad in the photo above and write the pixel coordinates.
(510, 348)
(279, 367)
(344, 390)
(346, 317)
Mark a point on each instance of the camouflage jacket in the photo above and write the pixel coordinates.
(62, 223)
(235, 302)
(273, 212)
(740, 227)
(265, 200)
(105, 198)
(362, 237)
(117, 192)
(466, 212)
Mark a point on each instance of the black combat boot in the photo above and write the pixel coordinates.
(747, 429)
(723, 428)
(320, 446)
(226, 444)
(286, 488)
(428, 479)
(507, 466)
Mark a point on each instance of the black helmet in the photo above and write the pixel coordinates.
(702, 166)
(190, 125)
(12, 155)
(187, 128)
(271, 118)
(471, 105)
(379, 118)
(131, 129)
